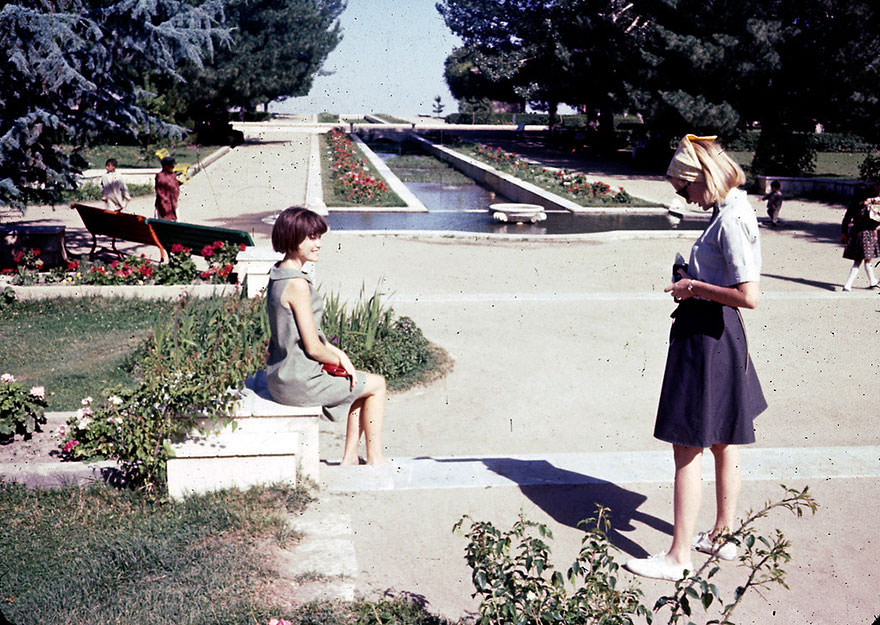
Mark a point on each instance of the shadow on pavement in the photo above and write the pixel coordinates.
(569, 497)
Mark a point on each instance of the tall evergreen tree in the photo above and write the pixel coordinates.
(72, 75)
(276, 49)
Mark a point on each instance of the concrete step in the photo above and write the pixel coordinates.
(204, 463)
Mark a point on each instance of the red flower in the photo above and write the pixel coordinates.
(205, 275)
(242, 247)
(208, 251)
(35, 252)
(73, 265)
(177, 248)
(218, 245)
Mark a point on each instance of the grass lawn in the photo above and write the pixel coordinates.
(136, 156)
(422, 168)
(96, 556)
(75, 347)
(828, 164)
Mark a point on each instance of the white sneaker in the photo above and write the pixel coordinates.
(657, 567)
(704, 544)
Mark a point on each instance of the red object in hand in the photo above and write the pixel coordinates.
(336, 370)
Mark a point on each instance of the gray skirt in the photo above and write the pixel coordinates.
(710, 393)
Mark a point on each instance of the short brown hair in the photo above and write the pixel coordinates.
(293, 226)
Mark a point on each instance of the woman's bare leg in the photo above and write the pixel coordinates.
(686, 501)
(352, 434)
(728, 480)
(372, 415)
(365, 417)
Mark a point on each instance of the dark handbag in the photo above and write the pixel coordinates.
(335, 370)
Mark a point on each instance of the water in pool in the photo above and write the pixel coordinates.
(458, 204)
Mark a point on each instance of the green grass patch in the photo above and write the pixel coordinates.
(328, 118)
(95, 556)
(75, 347)
(828, 164)
(130, 156)
(423, 168)
(391, 119)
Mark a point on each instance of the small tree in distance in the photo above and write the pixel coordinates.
(438, 106)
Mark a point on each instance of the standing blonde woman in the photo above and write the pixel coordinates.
(298, 350)
(710, 393)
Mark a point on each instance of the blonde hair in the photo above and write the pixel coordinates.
(720, 172)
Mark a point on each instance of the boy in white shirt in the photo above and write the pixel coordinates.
(113, 190)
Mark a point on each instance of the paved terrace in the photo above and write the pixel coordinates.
(558, 349)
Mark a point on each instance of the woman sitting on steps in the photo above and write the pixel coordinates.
(299, 354)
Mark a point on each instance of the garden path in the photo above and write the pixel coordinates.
(559, 348)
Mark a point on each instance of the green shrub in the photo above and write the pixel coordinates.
(784, 153)
(513, 574)
(376, 341)
(21, 411)
(840, 142)
(870, 168)
(186, 370)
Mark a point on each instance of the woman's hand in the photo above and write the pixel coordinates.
(345, 363)
(680, 288)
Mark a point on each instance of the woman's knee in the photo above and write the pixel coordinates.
(375, 384)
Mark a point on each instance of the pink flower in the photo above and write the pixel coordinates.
(69, 445)
(7, 377)
(208, 251)
(177, 248)
(38, 391)
(279, 621)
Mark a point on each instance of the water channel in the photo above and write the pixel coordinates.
(456, 203)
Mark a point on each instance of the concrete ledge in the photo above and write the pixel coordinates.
(314, 187)
(151, 291)
(412, 202)
(256, 412)
(834, 187)
(215, 461)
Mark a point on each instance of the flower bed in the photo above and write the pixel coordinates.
(349, 176)
(131, 270)
(564, 182)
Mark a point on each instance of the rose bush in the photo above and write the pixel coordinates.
(349, 174)
(562, 181)
(132, 270)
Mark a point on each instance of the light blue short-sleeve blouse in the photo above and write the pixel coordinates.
(728, 251)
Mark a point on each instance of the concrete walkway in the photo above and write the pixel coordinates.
(558, 348)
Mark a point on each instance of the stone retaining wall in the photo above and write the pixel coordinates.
(830, 187)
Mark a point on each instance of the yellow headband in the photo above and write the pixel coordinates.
(684, 164)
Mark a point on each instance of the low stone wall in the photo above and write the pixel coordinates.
(151, 291)
(829, 187)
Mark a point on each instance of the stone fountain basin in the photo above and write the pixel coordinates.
(518, 213)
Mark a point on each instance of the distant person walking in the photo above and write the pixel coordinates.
(114, 192)
(859, 234)
(710, 393)
(774, 202)
(167, 190)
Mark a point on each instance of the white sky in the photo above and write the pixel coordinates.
(390, 60)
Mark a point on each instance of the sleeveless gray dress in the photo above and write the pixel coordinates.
(293, 377)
